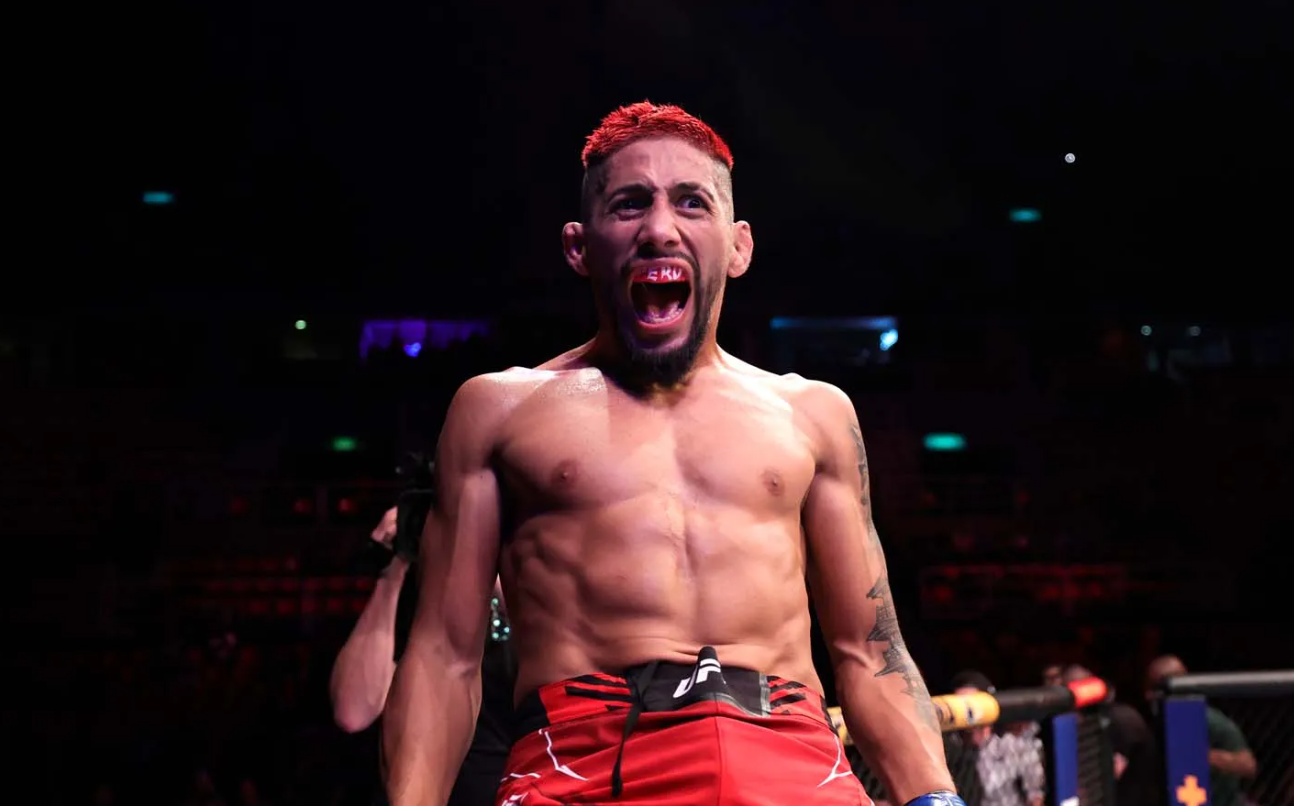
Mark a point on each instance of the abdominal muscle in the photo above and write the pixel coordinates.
(603, 590)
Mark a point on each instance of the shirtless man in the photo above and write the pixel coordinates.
(659, 513)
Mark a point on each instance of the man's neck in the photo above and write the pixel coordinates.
(606, 354)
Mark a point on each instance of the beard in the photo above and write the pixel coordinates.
(643, 366)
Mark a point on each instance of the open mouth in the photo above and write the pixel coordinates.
(659, 295)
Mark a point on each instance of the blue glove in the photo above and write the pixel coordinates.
(941, 798)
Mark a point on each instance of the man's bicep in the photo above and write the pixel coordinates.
(848, 572)
(851, 591)
(458, 558)
(846, 564)
(460, 543)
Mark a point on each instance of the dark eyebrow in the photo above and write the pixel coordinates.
(644, 189)
(632, 189)
(694, 187)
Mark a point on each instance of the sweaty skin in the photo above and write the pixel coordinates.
(646, 531)
(631, 526)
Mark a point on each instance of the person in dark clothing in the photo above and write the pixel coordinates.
(362, 673)
(1231, 762)
(1137, 761)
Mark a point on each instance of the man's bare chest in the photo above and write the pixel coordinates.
(592, 454)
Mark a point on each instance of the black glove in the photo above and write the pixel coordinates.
(414, 504)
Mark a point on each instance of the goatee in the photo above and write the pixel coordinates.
(642, 368)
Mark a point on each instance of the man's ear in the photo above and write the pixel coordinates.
(743, 249)
(573, 247)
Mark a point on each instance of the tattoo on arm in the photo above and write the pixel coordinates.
(897, 659)
(873, 539)
(862, 461)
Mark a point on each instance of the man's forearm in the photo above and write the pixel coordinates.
(1240, 763)
(362, 673)
(895, 727)
(428, 726)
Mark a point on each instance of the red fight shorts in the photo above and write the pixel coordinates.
(678, 735)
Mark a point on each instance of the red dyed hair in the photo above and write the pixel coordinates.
(645, 119)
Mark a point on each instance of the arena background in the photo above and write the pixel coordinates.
(1042, 247)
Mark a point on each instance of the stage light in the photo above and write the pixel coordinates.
(1070, 158)
(158, 197)
(1025, 215)
(828, 323)
(412, 350)
(300, 324)
(945, 442)
(889, 338)
(344, 444)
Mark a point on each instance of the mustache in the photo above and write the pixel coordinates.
(628, 267)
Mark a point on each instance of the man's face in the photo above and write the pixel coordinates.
(1160, 670)
(658, 244)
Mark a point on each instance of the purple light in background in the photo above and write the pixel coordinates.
(426, 334)
(411, 331)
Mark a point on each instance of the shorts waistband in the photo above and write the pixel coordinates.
(662, 686)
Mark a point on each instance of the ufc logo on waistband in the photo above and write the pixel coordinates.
(699, 675)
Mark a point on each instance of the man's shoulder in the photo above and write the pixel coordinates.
(484, 400)
(509, 382)
(1223, 730)
(821, 409)
(798, 390)
(571, 364)
(1128, 722)
(494, 395)
(816, 399)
